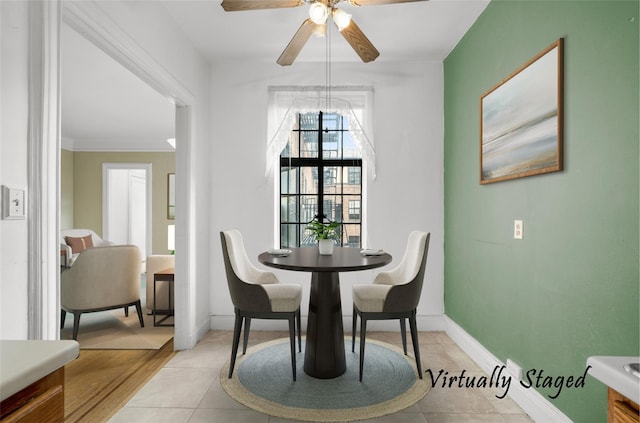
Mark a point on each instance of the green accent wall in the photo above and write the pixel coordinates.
(570, 288)
(87, 189)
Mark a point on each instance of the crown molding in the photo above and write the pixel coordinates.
(114, 145)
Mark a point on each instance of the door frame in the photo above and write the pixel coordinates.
(147, 167)
(43, 172)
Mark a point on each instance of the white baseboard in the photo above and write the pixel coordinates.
(202, 329)
(188, 342)
(530, 400)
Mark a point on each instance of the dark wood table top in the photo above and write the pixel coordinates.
(164, 275)
(307, 259)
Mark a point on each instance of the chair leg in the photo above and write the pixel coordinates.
(299, 320)
(403, 334)
(292, 341)
(76, 324)
(126, 311)
(353, 329)
(63, 316)
(363, 335)
(247, 329)
(236, 341)
(416, 344)
(139, 310)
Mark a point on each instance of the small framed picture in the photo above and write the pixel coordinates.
(171, 196)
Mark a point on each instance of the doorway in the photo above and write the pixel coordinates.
(89, 19)
(126, 214)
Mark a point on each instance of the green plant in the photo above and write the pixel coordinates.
(321, 230)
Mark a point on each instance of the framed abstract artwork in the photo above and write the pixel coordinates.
(171, 196)
(521, 120)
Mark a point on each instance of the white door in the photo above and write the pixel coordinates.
(127, 204)
(137, 233)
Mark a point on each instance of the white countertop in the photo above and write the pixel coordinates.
(610, 371)
(25, 362)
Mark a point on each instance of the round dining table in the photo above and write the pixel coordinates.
(324, 356)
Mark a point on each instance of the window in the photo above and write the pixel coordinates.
(354, 209)
(320, 166)
(354, 176)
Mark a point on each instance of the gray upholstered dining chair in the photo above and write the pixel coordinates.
(257, 294)
(394, 294)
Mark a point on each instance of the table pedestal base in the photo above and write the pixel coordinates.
(324, 356)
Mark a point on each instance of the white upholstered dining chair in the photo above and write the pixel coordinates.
(257, 294)
(394, 294)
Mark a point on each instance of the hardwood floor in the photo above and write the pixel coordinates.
(99, 382)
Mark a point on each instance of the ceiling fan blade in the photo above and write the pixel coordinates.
(297, 42)
(360, 42)
(239, 5)
(378, 2)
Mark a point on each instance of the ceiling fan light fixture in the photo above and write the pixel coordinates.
(318, 13)
(341, 18)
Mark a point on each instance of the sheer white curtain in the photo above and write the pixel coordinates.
(353, 103)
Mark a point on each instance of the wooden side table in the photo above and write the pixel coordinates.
(165, 275)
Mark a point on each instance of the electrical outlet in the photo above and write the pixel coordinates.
(518, 229)
(514, 370)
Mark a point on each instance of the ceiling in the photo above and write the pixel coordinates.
(422, 30)
(105, 107)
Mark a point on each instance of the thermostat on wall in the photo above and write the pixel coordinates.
(12, 203)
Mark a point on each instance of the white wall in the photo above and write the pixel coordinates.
(408, 191)
(14, 29)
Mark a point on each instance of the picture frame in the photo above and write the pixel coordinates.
(521, 120)
(171, 196)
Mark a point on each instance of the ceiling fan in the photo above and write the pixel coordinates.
(319, 13)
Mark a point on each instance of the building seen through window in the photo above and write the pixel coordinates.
(320, 144)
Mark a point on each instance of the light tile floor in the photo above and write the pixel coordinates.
(187, 389)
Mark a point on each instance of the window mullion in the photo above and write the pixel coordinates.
(299, 187)
(320, 170)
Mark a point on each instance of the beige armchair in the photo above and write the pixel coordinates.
(156, 263)
(101, 278)
(68, 236)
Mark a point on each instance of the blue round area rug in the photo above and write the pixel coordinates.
(262, 381)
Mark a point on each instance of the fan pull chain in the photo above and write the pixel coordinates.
(328, 67)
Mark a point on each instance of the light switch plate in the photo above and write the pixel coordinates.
(518, 229)
(12, 203)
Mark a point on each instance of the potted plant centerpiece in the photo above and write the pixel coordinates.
(325, 233)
